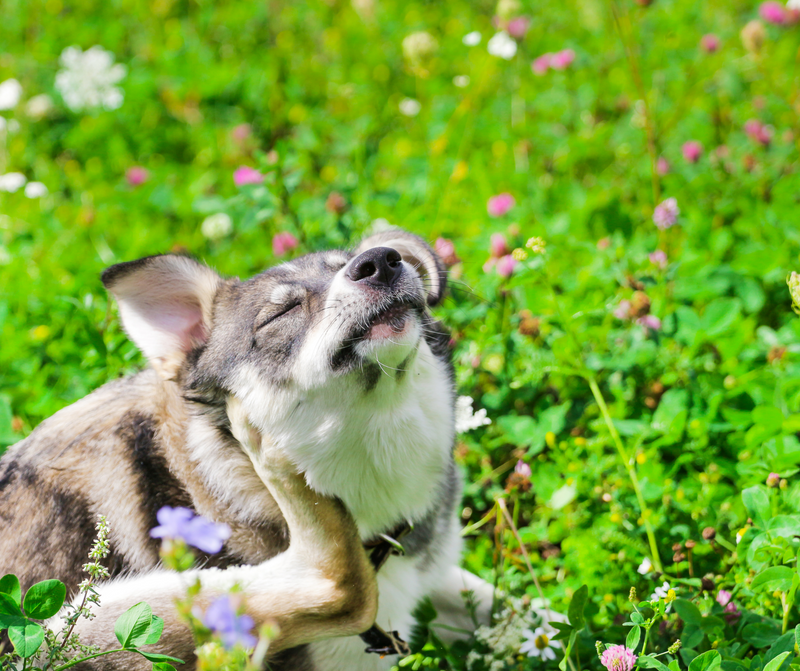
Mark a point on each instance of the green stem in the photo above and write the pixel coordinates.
(626, 462)
(73, 662)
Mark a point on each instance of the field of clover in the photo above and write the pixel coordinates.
(614, 186)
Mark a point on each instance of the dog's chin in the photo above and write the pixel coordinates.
(391, 336)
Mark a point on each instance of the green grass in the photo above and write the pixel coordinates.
(697, 411)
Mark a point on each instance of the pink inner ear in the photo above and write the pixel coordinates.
(183, 319)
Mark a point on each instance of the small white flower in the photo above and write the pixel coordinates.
(661, 593)
(88, 79)
(645, 567)
(10, 93)
(12, 181)
(461, 81)
(216, 226)
(793, 4)
(502, 45)
(39, 106)
(409, 107)
(474, 38)
(466, 419)
(35, 190)
(538, 644)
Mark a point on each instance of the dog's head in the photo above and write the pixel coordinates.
(300, 324)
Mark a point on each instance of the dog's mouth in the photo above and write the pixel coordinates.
(388, 321)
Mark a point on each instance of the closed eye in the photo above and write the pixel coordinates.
(284, 310)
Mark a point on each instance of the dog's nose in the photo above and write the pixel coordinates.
(379, 267)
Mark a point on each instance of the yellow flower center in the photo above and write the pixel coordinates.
(541, 642)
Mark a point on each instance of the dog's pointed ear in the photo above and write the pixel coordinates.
(418, 253)
(165, 304)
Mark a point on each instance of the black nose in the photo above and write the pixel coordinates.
(379, 267)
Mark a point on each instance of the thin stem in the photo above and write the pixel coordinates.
(73, 662)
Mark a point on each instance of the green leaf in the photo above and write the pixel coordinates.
(775, 664)
(688, 612)
(10, 613)
(775, 577)
(708, 661)
(577, 606)
(157, 658)
(163, 666)
(670, 416)
(154, 632)
(26, 637)
(720, 315)
(756, 501)
(133, 626)
(760, 634)
(44, 599)
(637, 618)
(648, 662)
(632, 640)
(564, 630)
(797, 636)
(562, 665)
(9, 584)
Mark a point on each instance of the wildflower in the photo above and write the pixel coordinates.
(241, 133)
(446, 251)
(600, 647)
(724, 597)
(773, 480)
(335, 203)
(618, 658)
(666, 213)
(537, 644)
(709, 533)
(518, 26)
(88, 79)
(632, 595)
(216, 226)
(247, 175)
(662, 166)
(409, 107)
(709, 43)
(461, 81)
(465, 418)
(283, 242)
(419, 46)
(649, 322)
(794, 287)
(561, 60)
(502, 45)
(658, 258)
(663, 592)
(541, 65)
(623, 310)
(645, 567)
(221, 618)
(759, 132)
(753, 36)
(536, 244)
(505, 265)
(12, 181)
(522, 469)
(673, 649)
(39, 106)
(472, 39)
(136, 175)
(773, 12)
(500, 204)
(519, 254)
(10, 94)
(195, 530)
(35, 190)
(692, 150)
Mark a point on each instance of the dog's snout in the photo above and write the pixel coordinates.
(379, 267)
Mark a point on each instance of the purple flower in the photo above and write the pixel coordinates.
(773, 12)
(618, 658)
(692, 151)
(649, 322)
(500, 204)
(283, 242)
(773, 480)
(662, 166)
(506, 265)
(518, 27)
(623, 310)
(561, 60)
(658, 258)
(541, 65)
(709, 43)
(221, 618)
(724, 597)
(136, 175)
(246, 175)
(522, 469)
(446, 251)
(498, 246)
(758, 132)
(666, 214)
(194, 529)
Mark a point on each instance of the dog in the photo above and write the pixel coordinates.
(310, 408)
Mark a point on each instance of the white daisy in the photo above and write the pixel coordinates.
(502, 45)
(538, 644)
(216, 226)
(661, 593)
(466, 419)
(88, 79)
(645, 567)
(35, 190)
(12, 181)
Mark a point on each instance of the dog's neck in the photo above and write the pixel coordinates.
(382, 452)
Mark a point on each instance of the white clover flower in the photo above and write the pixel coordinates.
(466, 418)
(35, 190)
(39, 106)
(419, 46)
(409, 107)
(538, 644)
(12, 181)
(472, 39)
(793, 4)
(216, 226)
(502, 45)
(662, 593)
(10, 94)
(88, 79)
(645, 567)
(461, 81)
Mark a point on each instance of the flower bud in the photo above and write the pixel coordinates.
(753, 36)
(794, 289)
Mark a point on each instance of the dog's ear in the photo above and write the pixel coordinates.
(418, 253)
(165, 304)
